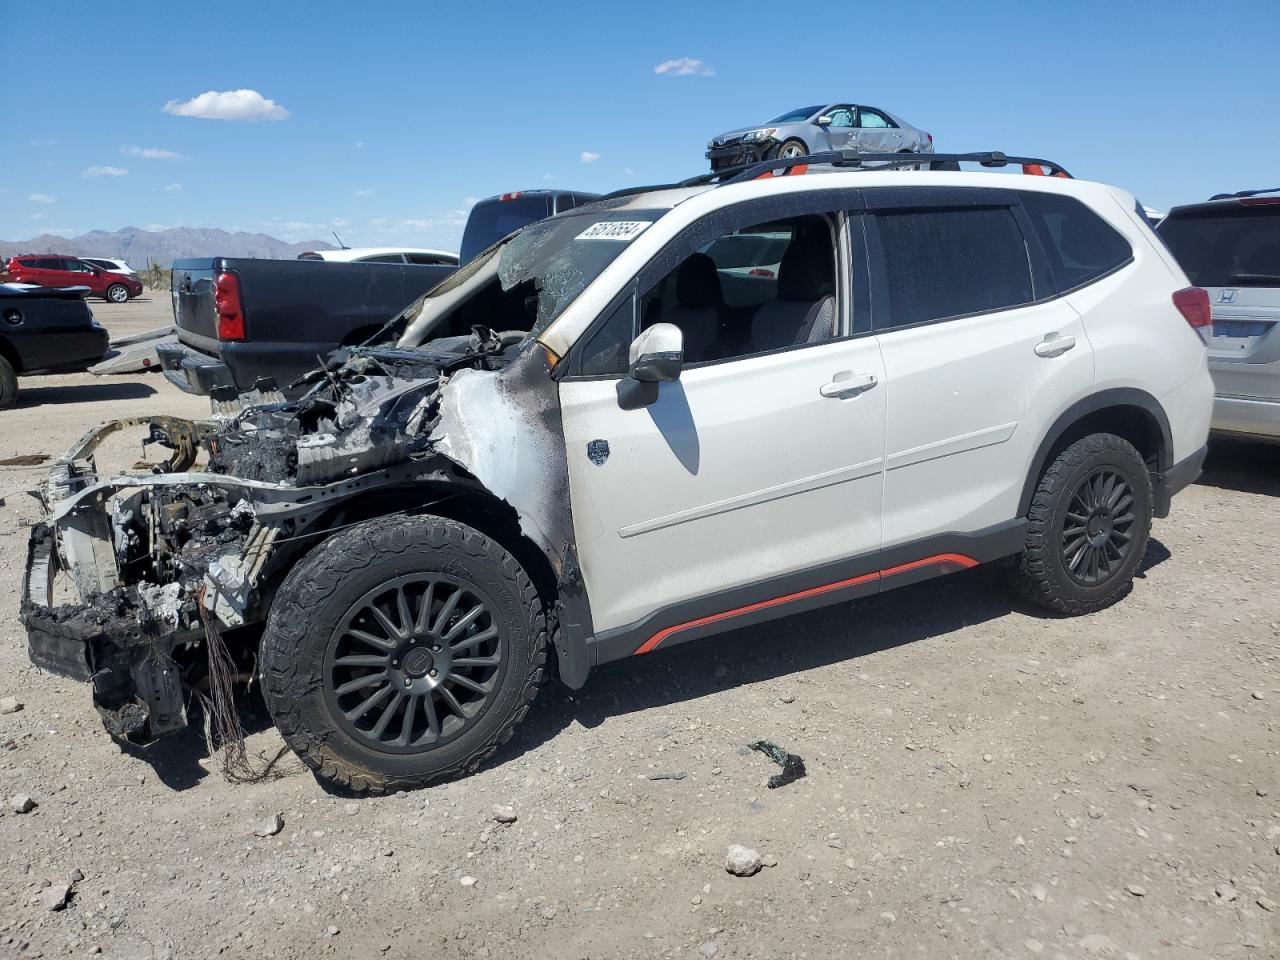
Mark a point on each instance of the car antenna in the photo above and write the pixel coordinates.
(341, 245)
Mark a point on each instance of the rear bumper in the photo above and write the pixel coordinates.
(1176, 478)
(1246, 417)
(192, 371)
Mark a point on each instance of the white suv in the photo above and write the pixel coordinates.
(656, 417)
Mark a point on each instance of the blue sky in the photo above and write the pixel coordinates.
(400, 114)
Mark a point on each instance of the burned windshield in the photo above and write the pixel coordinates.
(526, 281)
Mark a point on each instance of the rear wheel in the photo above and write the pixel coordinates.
(8, 384)
(402, 652)
(117, 293)
(1089, 523)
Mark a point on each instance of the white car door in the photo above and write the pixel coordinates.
(980, 358)
(753, 480)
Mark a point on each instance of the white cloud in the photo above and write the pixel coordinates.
(40, 198)
(228, 105)
(628, 172)
(37, 216)
(150, 153)
(359, 144)
(171, 188)
(684, 67)
(340, 221)
(589, 156)
(365, 192)
(105, 172)
(548, 176)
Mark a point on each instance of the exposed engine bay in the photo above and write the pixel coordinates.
(170, 561)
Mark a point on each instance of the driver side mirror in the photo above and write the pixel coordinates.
(656, 356)
(824, 120)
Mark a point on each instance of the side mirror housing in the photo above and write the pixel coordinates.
(823, 121)
(656, 356)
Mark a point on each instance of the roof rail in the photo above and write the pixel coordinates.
(851, 158)
(1243, 193)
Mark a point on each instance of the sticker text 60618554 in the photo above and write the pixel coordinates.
(624, 230)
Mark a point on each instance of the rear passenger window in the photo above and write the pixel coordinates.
(951, 262)
(1080, 245)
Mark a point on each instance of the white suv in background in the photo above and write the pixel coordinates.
(665, 414)
(417, 255)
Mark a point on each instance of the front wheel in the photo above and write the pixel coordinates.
(1088, 527)
(402, 652)
(790, 149)
(117, 293)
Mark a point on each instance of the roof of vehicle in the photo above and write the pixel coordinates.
(1246, 198)
(355, 253)
(540, 192)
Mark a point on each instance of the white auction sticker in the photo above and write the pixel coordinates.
(624, 230)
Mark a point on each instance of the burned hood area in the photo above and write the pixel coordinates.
(154, 585)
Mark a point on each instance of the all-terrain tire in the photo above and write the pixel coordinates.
(1042, 574)
(332, 580)
(8, 385)
(117, 293)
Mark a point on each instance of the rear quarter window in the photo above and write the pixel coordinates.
(1232, 246)
(951, 262)
(1081, 247)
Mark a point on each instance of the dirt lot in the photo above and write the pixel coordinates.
(982, 781)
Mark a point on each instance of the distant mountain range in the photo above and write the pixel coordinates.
(162, 246)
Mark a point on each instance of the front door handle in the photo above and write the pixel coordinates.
(1054, 345)
(846, 383)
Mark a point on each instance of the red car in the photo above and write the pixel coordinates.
(48, 270)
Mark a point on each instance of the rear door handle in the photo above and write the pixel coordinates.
(846, 383)
(1054, 345)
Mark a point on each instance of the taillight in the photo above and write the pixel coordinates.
(1193, 304)
(509, 196)
(226, 300)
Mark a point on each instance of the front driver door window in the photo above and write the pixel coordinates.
(750, 472)
(842, 132)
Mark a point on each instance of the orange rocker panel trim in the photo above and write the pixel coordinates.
(952, 559)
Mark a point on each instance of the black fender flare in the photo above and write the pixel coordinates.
(1102, 400)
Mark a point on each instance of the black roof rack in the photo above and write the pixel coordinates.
(850, 158)
(1243, 193)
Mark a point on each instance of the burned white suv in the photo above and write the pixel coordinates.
(663, 415)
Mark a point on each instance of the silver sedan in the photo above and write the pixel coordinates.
(833, 126)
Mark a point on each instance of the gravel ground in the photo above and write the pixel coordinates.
(982, 780)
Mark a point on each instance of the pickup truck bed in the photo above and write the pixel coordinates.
(294, 313)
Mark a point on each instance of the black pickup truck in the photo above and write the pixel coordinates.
(44, 330)
(242, 320)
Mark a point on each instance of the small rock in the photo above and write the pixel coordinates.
(10, 705)
(1267, 904)
(76, 876)
(1035, 946)
(889, 917)
(468, 881)
(331, 931)
(835, 844)
(709, 949)
(742, 861)
(352, 809)
(1096, 813)
(1261, 791)
(1226, 892)
(987, 758)
(696, 899)
(769, 860)
(668, 775)
(504, 814)
(1136, 889)
(54, 896)
(787, 697)
(548, 912)
(269, 827)
(1257, 695)
(1039, 892)
(21, 803)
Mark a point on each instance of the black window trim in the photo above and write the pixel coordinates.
(837, 205)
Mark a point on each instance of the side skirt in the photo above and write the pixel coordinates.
(809, 589)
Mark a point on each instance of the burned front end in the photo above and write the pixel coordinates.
(139, 582)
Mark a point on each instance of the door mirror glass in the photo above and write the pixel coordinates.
(657, 354)
(824, 120)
